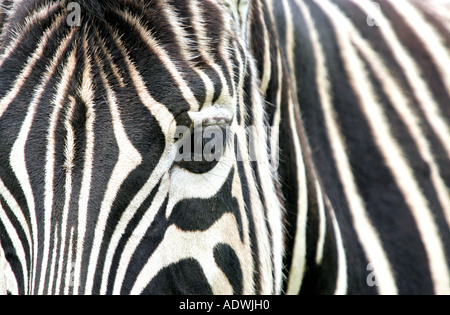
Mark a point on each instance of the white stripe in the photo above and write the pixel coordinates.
(438, 9)
(209, 85)
(322, 224)
(299, 251)
(342, 277)
(267, 255)
(265, 166)
(70, 276)
(181, 37)
(290, 45)
(239, 9)
(199, 28)
(113, 65)
(56, 247)
(273, 209)
(259, 220)
(367, 234)
(240, 90)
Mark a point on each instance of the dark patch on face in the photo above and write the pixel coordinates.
(228, 261)
(183, 278)
(201, 214)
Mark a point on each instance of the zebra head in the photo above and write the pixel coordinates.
(93, 196)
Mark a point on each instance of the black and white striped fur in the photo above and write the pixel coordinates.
(370, 91)
(92, 200)
(359, 118)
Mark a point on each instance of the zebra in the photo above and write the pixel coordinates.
(93, 202)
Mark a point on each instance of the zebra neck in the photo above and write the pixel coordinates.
(317, 262)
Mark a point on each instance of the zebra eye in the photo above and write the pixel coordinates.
(202, 146)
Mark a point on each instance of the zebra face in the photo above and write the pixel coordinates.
(100, 193)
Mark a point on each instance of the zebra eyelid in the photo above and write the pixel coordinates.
(212, 116)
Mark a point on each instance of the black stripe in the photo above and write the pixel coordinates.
(12, 258)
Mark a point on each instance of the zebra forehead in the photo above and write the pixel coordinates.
(175, 46)
(192, 43)
(175, 25)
